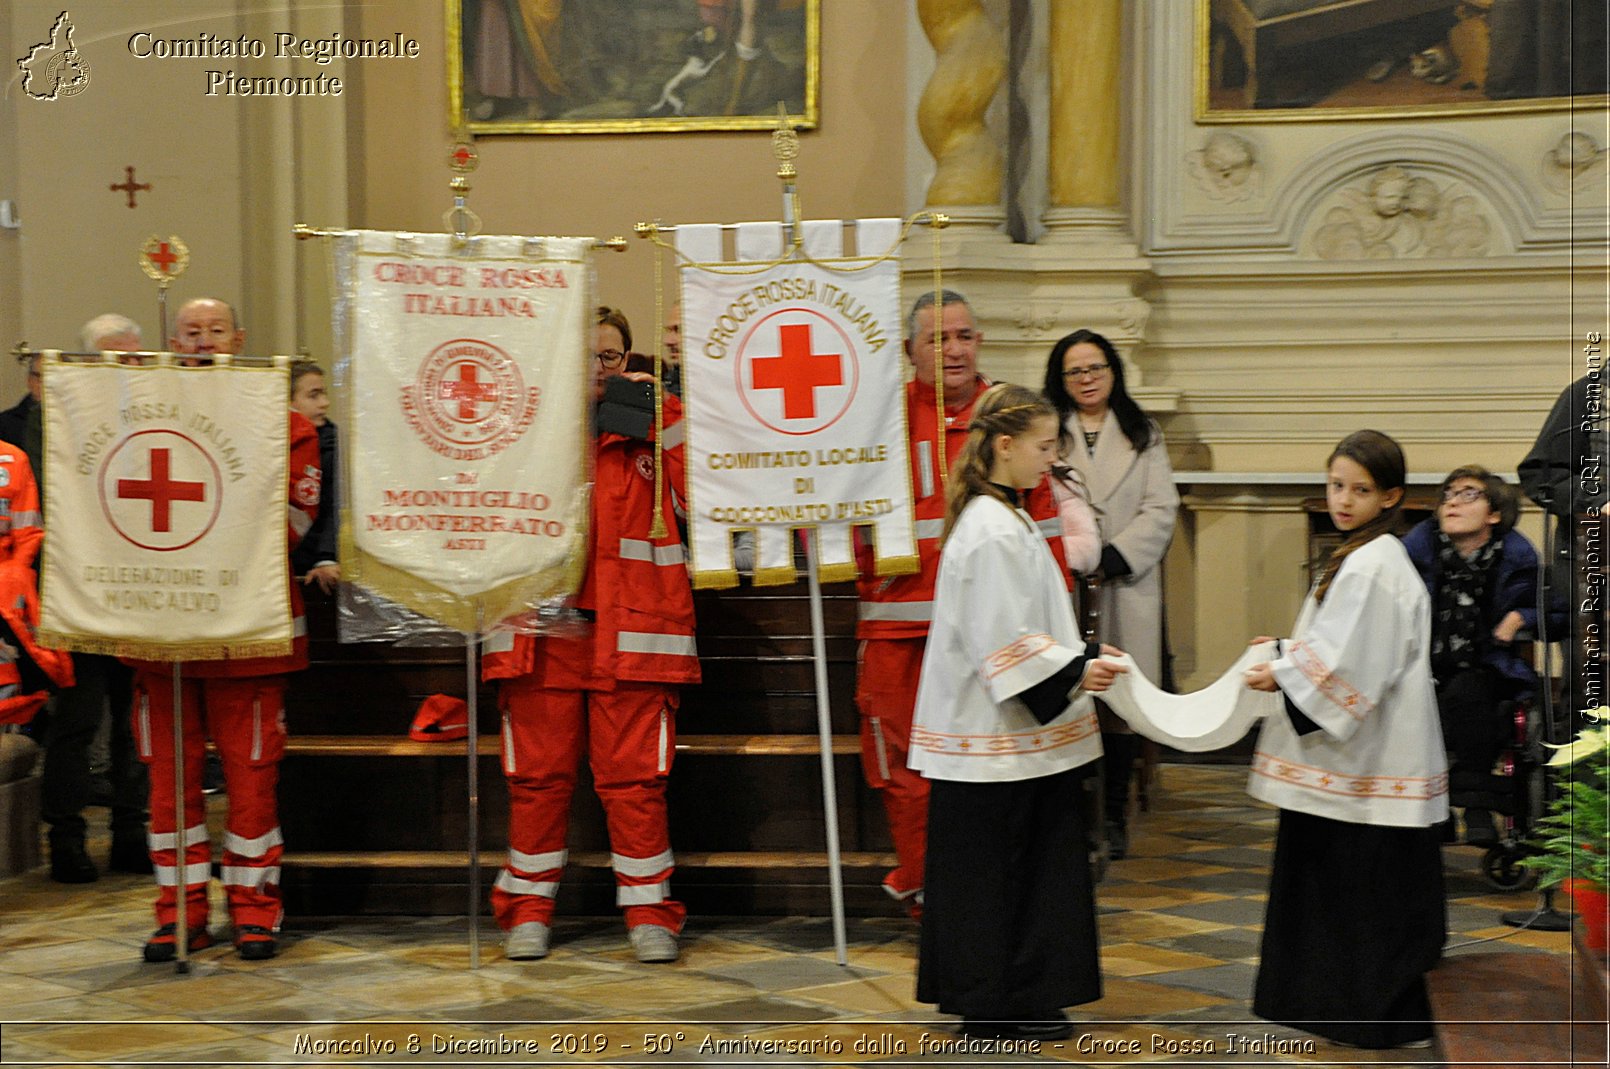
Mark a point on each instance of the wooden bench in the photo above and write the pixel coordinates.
(377, 823)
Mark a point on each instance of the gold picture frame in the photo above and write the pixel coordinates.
(1325, 60)
(622, 66)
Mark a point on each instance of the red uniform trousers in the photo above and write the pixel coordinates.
(629, 735)
(245, 718)
(886, 694)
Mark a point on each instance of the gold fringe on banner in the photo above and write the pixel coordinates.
(780, 576)
(716, 579)
(467, 614)
(145, 650)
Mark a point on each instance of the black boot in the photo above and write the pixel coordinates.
(1118, 759)
(69, 863)
(130, 853)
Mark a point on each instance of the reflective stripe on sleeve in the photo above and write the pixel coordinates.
(904, 611)
(648, 642)
(638, 549)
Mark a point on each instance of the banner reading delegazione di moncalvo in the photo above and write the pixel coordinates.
(466, 376)
(795, 403)
(166, 517)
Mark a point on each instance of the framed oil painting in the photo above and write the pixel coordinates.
(631, 66)
(1288, 60)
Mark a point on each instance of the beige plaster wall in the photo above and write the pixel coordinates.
(853, 165)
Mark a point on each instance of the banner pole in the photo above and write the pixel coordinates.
(785, 146)
(181, 923)
(471, 643)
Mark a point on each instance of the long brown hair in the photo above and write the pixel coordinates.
(1004, 408)
(1382, 457)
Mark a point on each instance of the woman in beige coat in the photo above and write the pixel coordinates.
(1119, 452)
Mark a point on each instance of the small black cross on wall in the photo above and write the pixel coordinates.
(130, 186)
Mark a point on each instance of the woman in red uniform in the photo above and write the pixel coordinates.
(612, 692)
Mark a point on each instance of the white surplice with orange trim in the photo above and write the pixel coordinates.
(1002, 623)
(1358, 666)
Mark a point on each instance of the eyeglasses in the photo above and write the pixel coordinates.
(1464, 495)
(1095, 371)
(611, 358)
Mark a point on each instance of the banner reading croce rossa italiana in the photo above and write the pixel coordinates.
(166, 515)
(466, 376)
(795, 405)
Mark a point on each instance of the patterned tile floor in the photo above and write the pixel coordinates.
(1180, 921)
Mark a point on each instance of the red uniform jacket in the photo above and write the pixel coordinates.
(20, 535)
(901, 606)
(637, 586)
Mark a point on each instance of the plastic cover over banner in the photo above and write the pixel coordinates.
(795, 403)
(166, 515)
(466, 377)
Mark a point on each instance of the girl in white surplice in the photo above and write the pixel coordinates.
(1005, 731)
(1356, 914)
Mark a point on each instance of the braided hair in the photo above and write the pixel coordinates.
(1382, 457)
(1004, 408)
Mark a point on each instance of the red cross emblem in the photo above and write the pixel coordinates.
(161, 490)
(798, 371)
(164, 258)
(468, 390)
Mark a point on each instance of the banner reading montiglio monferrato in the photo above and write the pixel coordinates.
(465, 376)
(795, 405)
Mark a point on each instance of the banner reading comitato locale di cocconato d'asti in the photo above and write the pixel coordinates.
(794, 401)
(466, 377)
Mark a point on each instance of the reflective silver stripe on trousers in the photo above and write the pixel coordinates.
(929, 528)
(648, 642)
(877, 746)
(638, 549)
(253, 847)
(168, 875)
(641, 895)
(553, 859)
(299, 627)
(196, 833)
(511, 884)
(641, 867)
(498, 642)
(908, 611)
(249, 875)
(508, 746)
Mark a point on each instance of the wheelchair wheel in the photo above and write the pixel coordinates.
(1505, 870)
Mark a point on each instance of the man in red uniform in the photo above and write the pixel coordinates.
(240, 705)
(613, 693)
(895, 612)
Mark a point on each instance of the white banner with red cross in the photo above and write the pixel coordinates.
(794, 398)
(466, 376)
(165, 510)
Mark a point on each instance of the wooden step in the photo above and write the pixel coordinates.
(487, 745)
(493, 859)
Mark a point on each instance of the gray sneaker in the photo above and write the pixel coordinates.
(653, 943)
(526, 942)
